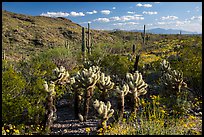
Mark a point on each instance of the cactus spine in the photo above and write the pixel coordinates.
(104, 85)
(104, 111)
(137, 87)
(87, 79)
(122, 92)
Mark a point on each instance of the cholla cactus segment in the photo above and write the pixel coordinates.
(165, 66)
(104, 110)
(136, 83)
(50, 89)
(62, 76)
(88, 77)
(105, 82)
(123, 90)
(45, 85)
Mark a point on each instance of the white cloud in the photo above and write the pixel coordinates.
(131, 12)
(55, 14)
(127, 18)
(139, 5)
(115, 18)
(102, 20)
(157, 2)
(169, 18)
(106, 12)
(91, 12)
(145, 5)
(75, 14)
(126, 23)
(149, 12)
(196, 18)
(197, 8)
(114, 8)
(161, 23)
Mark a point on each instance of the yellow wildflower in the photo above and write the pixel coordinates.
(88, 130)
(7, 130)
(191, 117)
(185, 125)
(163, 111)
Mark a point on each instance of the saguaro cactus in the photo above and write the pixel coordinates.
(143, 36)
(88, 40)
(104, 111)
(104, 84)
(133, 49)
(87, 79)
(66, 44)
(122, 92)
(137, 87)
(83, 45)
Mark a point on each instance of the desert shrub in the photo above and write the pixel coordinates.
(115, 65)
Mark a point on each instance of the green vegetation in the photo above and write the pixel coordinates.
(163, 97)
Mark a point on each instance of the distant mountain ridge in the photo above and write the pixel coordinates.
(165, 31)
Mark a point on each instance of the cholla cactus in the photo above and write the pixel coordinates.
(174, 80)
(104, 84)
(50, 89)
(122, 91)
(165, 66)
(104, 111)
(87, 79)
(62, 76)
(50, 107)
(137, 87)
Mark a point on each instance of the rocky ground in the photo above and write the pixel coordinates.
(66, 124)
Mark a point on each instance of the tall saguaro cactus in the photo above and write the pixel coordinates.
(83, 45)
(143, 36)
(88, 40)
(87, 79)
(104, 84)
(137, 87)
(104, 111)
(122, 92)
(133, 49)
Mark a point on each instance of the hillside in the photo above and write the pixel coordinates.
(23, 34)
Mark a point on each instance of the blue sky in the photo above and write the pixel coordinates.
(118, 15)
